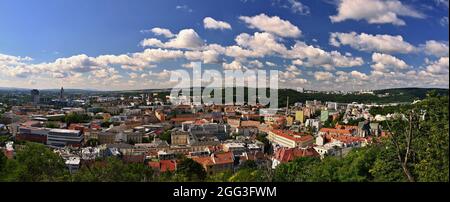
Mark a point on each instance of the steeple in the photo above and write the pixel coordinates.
(287, 106)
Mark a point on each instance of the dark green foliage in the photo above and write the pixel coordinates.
(57, 118)
(51, 125)
(262, 137)
(98, 117)
(190, 170)
(93, 142)
(2, 161)
(248, 175)
(147, 139)
(354, 122)
(114, 170)
(106, 124)
(4, 139)
(77, 118)
(166, 135)
(220, 177)
(395, 95)
(300, 170)
(35, 163)
(431, 147)
(249, 165)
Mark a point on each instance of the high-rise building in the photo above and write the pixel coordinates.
(35, 96)
(61, 94)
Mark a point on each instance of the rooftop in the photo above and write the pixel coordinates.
(64, 131)
(294, 136)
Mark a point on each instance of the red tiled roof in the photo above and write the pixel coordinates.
(292, 135)
(286, 155)
(79, 127)
(336, 131)
(183, 119)
(154, 165)
(200, 122)
(95, 126)
(163, 165)
(219, 158)
(347, 127)
(168, 165)
(204, 160)
(183, 107)
(344, 138)
(223, 158)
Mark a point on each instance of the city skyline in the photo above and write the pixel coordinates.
(318, 45)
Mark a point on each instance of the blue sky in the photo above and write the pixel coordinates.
(35, 35)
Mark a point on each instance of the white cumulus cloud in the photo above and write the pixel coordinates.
(383, 62)
(211, 23)
(374, 11)
(185, 39)
(436, 48)
(274, 25)
(366, 42)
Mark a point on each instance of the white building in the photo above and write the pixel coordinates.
(234, 147)
(63, 137)
(73, 163)
(313, 123)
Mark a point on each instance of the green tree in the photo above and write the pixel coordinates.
(386, 168)
(220, 177)
(166, 135)
(4, 139)
(247, 175)
(37, 163)
(114, 170)
(6, 120)
(51, 125)
(299, 170)
(418, 144)
(77, 118)
(92, 142)
(2, 161)
(106, 124)
(10, 171)
(355, 167)
(190, 170)
(147, 139)
(249, 165)
(431, 144)
(262, 137)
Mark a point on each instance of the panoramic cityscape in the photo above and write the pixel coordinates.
(224, 91)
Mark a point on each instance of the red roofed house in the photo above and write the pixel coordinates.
(290, 139)
(176, 121)
(78, 127)
(284, 155)
(336, 131)
(163, 165)
(217, 162)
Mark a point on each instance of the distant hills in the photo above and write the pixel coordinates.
(395, 95)
(6, 89)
